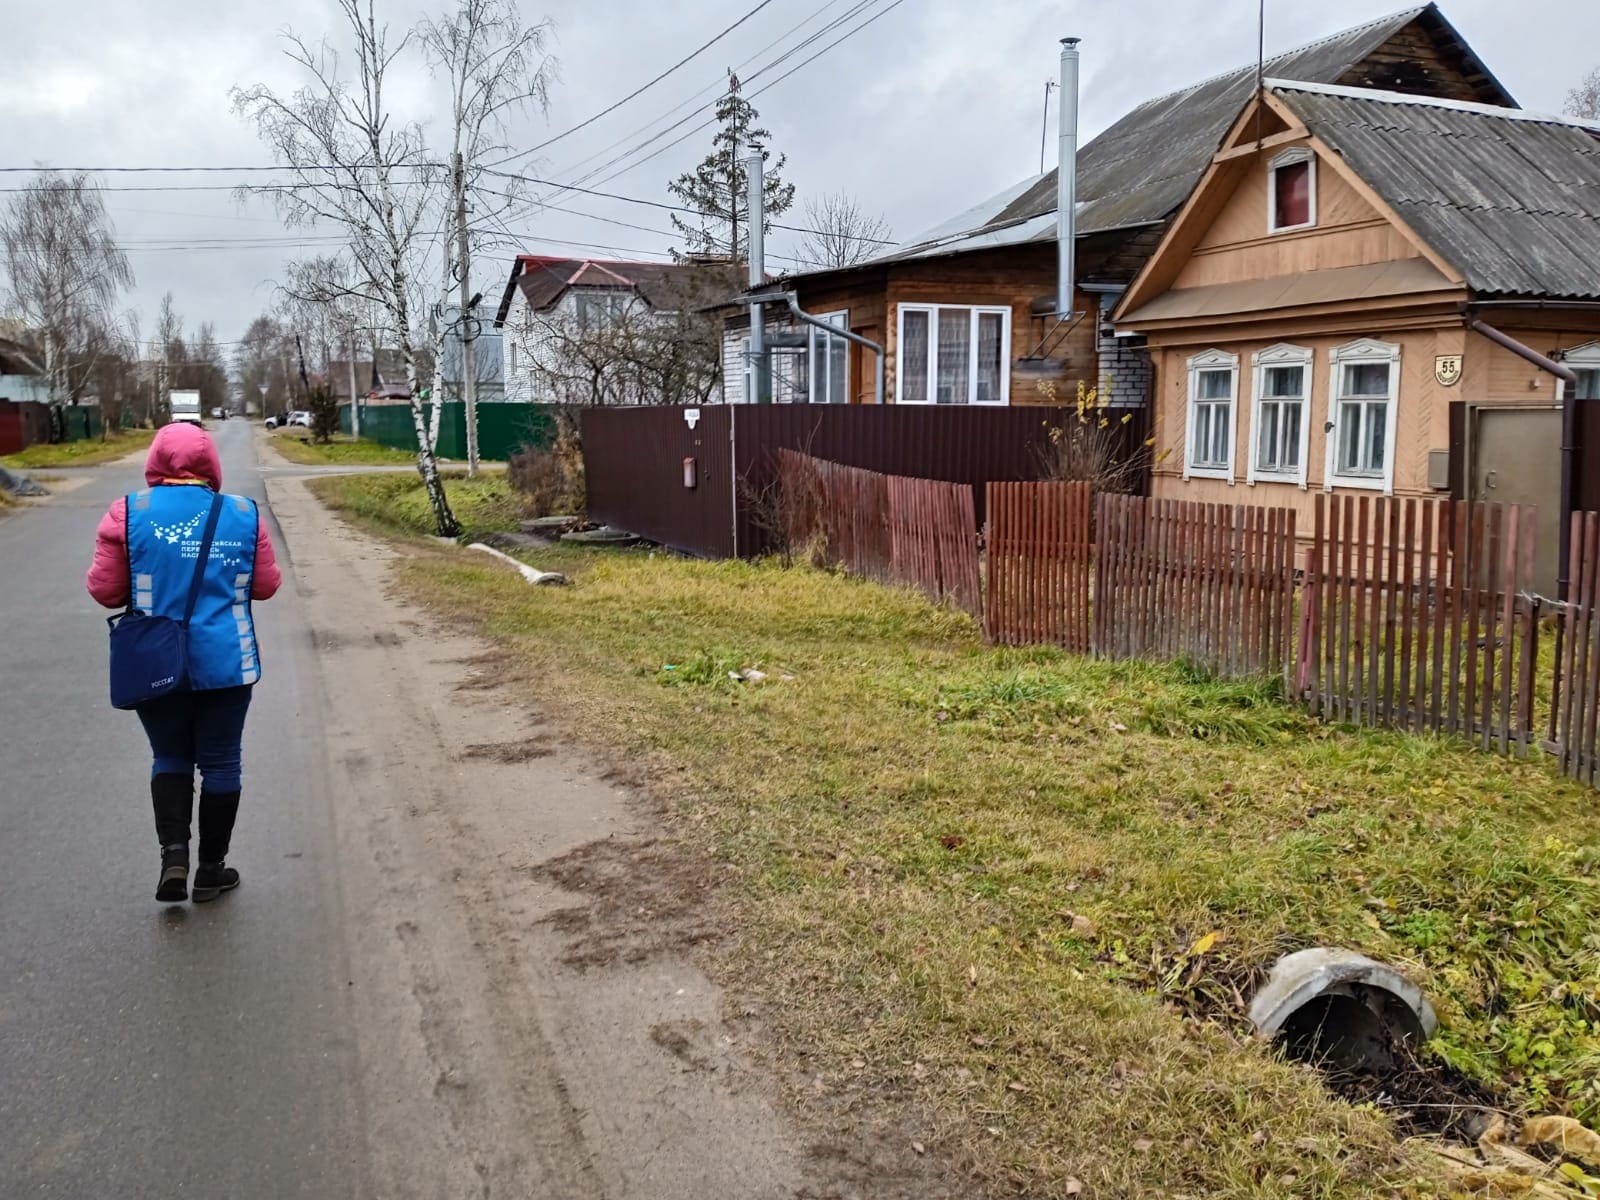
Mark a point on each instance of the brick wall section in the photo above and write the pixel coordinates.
(1127, 375)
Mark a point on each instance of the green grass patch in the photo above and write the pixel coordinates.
(397, 504)
(1026, 892)
(90, 452)
(296, 445)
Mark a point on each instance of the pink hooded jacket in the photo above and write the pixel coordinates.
(180, 453)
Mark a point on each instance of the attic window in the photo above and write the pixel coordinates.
(1292, 191)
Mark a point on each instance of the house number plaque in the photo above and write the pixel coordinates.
(1447, 369)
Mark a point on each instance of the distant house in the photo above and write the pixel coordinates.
(967, 310)
(1331, 309)
(22, 374)
(385, 384)
(568, 325)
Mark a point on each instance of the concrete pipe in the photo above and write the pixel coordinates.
(1341, 1009)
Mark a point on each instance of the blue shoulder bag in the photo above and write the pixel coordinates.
(150, 654)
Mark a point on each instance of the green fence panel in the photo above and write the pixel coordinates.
(503, 429)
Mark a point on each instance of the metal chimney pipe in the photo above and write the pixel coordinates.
(755, 201)
(1067, 177)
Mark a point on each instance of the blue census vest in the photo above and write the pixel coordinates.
(165, 525)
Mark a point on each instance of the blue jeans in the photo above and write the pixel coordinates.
(198, 729)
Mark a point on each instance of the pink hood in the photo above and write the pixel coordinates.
(183, 451)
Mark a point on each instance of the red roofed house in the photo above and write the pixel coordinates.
(590, 331)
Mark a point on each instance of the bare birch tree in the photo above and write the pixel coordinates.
(495, 66)
(358, 168)
(65, 273)
(842, 233)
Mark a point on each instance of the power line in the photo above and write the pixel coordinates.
(710, 87)
(676, 208)
(198, 170)
(646, 87)
(759, 91)
(855, 10)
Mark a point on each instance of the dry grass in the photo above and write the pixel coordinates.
(916, 819)
(90, 452)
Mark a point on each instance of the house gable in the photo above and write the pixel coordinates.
(1221, 257)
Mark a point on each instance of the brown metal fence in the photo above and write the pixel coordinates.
(890, 528)
(1037, 556)
(1209, 583)
(634, 460)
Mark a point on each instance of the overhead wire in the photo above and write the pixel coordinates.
(623, 170)
(708, 89)
(855, 10)
(639, 91)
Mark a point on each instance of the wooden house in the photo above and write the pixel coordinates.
(1374, 292)
(967, 310)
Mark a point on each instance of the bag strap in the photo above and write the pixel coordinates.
(205, 553)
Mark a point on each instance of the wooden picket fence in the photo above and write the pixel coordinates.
(1212, 584)
(1420, 614)
(1574, 715)
(890, 528)
(1037, 558)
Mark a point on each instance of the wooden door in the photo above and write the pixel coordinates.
(864, 367)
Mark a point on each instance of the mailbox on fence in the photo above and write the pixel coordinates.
(689, 476)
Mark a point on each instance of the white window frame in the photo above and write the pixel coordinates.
(1281, 355)
(819, 346)
(1356, 353)
(1212, 360)
(1582, 358)
(973, 311)
(1291, 156)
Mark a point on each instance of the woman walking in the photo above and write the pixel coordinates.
(150, 556)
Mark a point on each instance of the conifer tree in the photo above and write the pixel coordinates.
(716, 189)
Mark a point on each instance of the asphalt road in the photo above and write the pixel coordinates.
(148, 1051)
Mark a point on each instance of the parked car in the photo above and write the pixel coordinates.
(300, 417)
(272, 422)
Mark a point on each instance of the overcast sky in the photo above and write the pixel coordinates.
(927, 110)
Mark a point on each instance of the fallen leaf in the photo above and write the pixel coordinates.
(919, 1147)
(972, 976)
(1308, 1145)
(1016, 1087)
(1258, 1138)
(858, 1063)
(1143, 1145)
(1203, 945)
(1074, 1187)
(1118, 727)
(918, 1071)
(1082, 926)
(1572, 1137)
(952, 841)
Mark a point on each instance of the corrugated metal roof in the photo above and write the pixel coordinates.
(1511, 199)
(1141, 170)
(1144, 166)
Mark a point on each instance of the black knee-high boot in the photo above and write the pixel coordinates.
(217, 813)
(213, 876)
(172, 797)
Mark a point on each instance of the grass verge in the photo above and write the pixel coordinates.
(296, 446)
(89, 452)
(1024, 894)
(397, 504)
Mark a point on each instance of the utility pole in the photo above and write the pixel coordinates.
(759, 376)
(355, 400)
(464, 332)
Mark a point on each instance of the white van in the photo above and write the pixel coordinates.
(185, 406)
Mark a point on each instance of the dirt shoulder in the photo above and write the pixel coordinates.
(560, 1036)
